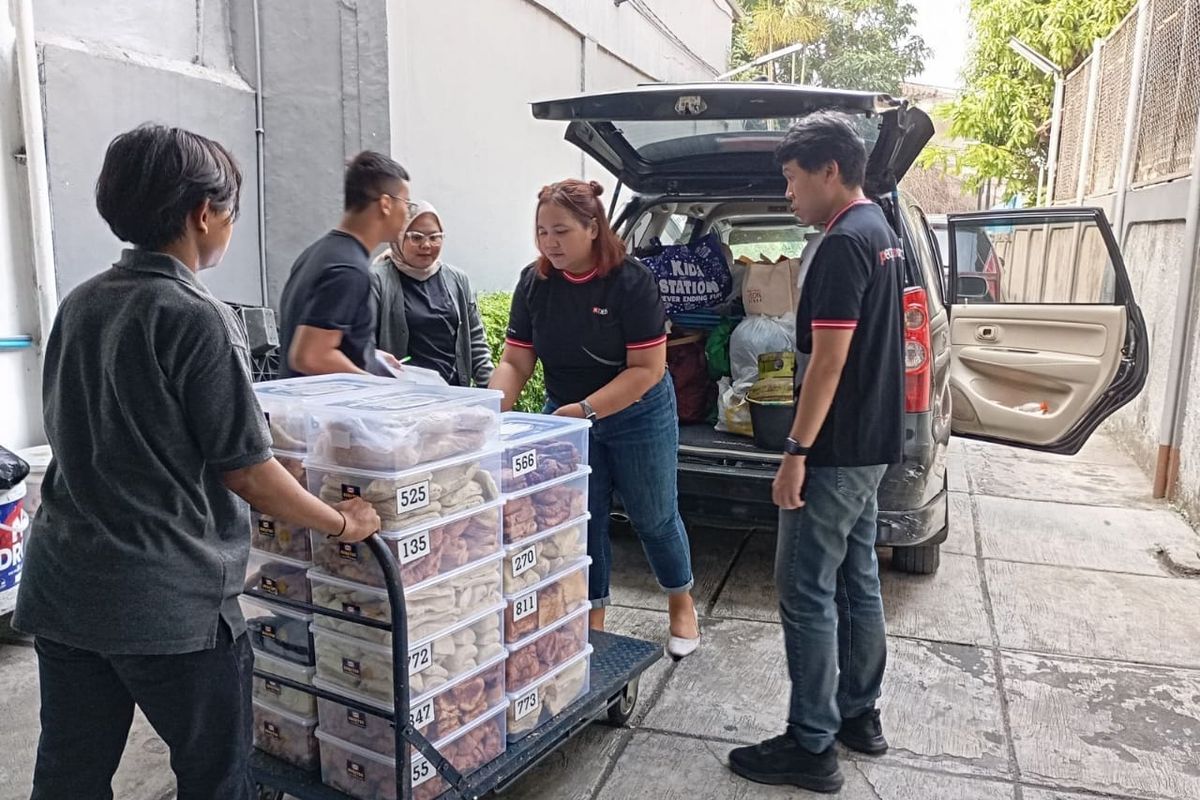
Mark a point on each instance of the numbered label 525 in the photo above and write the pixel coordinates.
(413, 496)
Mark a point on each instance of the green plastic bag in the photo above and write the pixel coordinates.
(717, 349)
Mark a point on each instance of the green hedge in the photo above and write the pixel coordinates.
(493, 308)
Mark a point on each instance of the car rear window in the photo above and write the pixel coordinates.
(666, 140)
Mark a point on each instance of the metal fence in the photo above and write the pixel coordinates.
(1166, 98)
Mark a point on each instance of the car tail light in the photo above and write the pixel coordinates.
(918, 371)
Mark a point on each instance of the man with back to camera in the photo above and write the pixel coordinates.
(327, 324)
(849, 426)
(138, 552)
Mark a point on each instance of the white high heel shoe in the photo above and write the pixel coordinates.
(680, 648)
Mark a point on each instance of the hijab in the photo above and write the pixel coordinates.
(396, 253)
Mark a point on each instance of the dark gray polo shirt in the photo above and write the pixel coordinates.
(138, 547)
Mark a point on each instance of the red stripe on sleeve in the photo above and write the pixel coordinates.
(646, 345)
(518, 343)
(835, 324)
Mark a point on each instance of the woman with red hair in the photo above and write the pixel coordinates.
(593, 316)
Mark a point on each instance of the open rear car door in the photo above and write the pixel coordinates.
(1046, 336)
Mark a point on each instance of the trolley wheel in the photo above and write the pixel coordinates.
(620, 712)
(267, 793)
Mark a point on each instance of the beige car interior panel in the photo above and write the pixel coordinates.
(1007, 356)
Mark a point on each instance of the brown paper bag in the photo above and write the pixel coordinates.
(772, 289)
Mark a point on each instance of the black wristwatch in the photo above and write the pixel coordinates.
(793, 448)
(589, 413)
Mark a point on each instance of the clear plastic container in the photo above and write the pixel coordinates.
(278, 631)
(436, 713)
(547, 601)
(278, 576)
(549, 695)
(368, 775)
(271, 535)
(533, 511)
(287, 736)
(529, 561)
(280, 695)
(422, 555)
(538, 654)
(399, 429)
(293, 462)
(540, 448)
(283, 403)
(412, 501)
(432, 606)
(366, 667)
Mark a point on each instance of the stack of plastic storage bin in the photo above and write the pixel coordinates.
(285, 718)
(545, 482)
(428, 460)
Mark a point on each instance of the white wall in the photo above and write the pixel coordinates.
(463, 74)
(20, 382)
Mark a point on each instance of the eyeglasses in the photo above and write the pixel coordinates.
(408, 204)
(418, 238)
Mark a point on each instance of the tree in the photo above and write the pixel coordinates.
(1006, 104)
(849, 44)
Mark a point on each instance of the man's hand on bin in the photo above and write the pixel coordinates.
(361, 519)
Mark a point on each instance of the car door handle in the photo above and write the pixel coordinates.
(987, 333)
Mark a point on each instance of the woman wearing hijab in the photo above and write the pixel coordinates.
(425, 308)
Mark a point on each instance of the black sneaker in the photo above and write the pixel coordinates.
(864, 733)
(783, 761)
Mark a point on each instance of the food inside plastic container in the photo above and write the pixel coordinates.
(539, 448)
(278, 694)
(287, 736)
(547, 601)
(278, 631)
(437, 713)
(283, 403)
(533, 511)
(422, 555)
(432, 606)
(369, 775)
(396, 430)
(278, 576)
(531, 560)
(538, 654)
(366, 667)
(548, 696)
(417, 499)
(271, 535)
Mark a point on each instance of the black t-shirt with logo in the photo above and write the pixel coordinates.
(582, 327)
(856, 282)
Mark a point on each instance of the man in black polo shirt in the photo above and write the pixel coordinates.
(849, 426)
(327, 323)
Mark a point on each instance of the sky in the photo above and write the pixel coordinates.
(943, 25)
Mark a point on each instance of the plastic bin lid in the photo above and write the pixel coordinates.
(517, 427)
(290, 716)
(283, 668)
(316, 465)
(582, 472)
(552, 674)
(442, 522)
(258, 557)
(411, 398)
(323, 577)
(387, 708)
(320, 386)
(275, 608)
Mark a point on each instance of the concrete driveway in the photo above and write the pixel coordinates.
(1055, 656)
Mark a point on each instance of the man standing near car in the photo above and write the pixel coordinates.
(327, 323)
(849, 426)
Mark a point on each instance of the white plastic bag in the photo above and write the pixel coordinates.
(733, 409)
(754, 336)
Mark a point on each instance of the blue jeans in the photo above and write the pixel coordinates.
(829, 599)
(636, 452)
